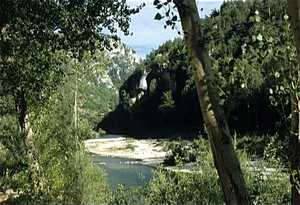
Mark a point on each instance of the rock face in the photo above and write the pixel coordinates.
(158, 95)
(139, 83)
(122, 64)
(122, 61)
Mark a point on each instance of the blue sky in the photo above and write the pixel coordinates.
(148, 33)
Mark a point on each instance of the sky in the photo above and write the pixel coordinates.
(148, 33)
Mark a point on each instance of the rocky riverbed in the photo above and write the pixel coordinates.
(147, 151)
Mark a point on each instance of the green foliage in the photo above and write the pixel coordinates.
(167, 104)
(275, 150)
(88, 183)
(35, 38)
(13, 164)
(251, 73)
(274, 49)
(201, 186)
(168, 187)
(169, 98)
(183, 150)
(69, 175)
(125, 195)
(94, 100)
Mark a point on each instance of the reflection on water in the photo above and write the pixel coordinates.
(123, 171)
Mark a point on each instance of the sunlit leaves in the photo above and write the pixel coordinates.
(259, 37)
(257, 18)
(275, 50)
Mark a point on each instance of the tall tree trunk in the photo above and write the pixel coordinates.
(22, 112)
(76, 107)
(294, 10)
(225, 158)
(28, 140)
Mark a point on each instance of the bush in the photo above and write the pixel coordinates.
(266, 186)
(89, 184)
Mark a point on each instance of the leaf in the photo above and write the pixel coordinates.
(286, 17)
(270, 50)
(169, 22)
(271, 91)
(259, 37)
(271, 39)
(158, 16)
(257, 18)
(222, 102)
(277, 74)
(174, 18)
(168, 12)
(281, 88)
(159, 6)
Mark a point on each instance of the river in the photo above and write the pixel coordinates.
(124, 171)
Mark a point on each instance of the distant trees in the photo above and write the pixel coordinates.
(169, 100)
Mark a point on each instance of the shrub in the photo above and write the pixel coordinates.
(266, 186)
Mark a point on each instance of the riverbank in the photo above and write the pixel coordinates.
(148, 151)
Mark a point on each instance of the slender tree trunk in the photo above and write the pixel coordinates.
(22, 113)
(28, 140)
(294, 10)
(225, 158)
(76, 108)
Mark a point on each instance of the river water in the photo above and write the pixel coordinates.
(124, 171)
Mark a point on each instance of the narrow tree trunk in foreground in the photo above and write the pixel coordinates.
(76, 108)
(225, 158)
(294, 10)
(28, 140)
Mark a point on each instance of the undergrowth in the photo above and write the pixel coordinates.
(266, 185)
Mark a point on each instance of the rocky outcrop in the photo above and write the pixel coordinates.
(166, 75)
(139, 83)
(122, 63)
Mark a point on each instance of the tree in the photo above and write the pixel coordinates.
(31, 33)
(82, 71)
(294, 9)
(225, 158)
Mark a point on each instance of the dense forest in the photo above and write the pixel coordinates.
(62, 83)
(245, 77)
